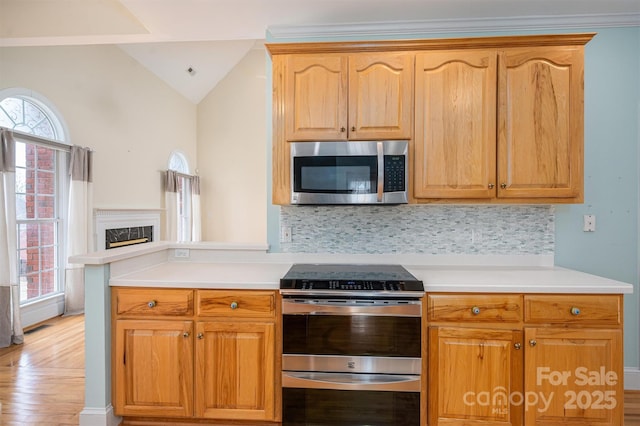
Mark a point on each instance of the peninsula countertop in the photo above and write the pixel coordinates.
(450, 278)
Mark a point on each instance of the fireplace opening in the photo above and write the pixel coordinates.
(120, 237)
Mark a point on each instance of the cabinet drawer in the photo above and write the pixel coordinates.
(587, 309)
(153, 302)
(474, 307)
(233, 303)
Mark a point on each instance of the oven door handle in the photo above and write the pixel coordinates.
(292, 307)
(346, 381)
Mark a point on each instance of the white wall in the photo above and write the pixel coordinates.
(131, 118)
(232, 154)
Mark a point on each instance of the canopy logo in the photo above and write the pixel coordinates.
(500, 399)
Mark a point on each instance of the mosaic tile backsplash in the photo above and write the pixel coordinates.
(431, 229)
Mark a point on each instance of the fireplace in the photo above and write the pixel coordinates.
(118, 228)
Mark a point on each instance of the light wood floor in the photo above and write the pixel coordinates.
(42, 381)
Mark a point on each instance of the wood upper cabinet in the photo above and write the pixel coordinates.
(472, 373)
(357, 97)
(455, 137)
(501, 124)
(540, 122)
(576, 376)
(235, 370)
(153, 368)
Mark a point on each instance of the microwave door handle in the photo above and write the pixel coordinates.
(380, 148)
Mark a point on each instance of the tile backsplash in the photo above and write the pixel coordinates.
(423, 229)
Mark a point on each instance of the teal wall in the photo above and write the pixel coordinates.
(611, 115)
(612, 137)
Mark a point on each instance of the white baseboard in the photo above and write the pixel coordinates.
(99, 417)
(632, 378)
(42, 310)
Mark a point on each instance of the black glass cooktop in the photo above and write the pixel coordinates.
(350, 277)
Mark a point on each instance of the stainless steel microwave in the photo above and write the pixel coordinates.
(362, 172)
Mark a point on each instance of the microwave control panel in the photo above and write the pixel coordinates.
(394, 173)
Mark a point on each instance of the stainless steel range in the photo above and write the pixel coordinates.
(351, 345)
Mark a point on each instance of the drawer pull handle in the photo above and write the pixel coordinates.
(343, 129)
(185, 334)
(532, 342)
(234, 305)
(200, 336)
(475, 310)
(575, 311)
(517, 346)
(151, 304)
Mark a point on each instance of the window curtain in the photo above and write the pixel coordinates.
(80, 226)
(196, 220)
(172, 208)
(10, 321)
(174, 187)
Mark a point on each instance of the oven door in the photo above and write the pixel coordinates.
(351, 362)
(348, 327)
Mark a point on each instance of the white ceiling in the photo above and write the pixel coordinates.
(211, 36)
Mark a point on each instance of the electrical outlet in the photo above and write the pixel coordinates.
(285, 234)
(182, 253)
(589, 223)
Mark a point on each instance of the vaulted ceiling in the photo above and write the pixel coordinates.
(211, 36)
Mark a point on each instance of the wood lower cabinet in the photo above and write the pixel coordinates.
(195, 354)
(472, 372)
(532, 359)
(573, 376)
(153, 368)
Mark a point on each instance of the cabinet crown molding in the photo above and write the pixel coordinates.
(578, 39)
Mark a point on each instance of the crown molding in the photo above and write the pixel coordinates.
(440, 26)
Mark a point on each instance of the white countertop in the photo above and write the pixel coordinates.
(488, 279)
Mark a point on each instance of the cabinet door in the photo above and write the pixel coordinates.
(235, 370)
(540, 122)
(575, 377)
(472, 374)
(316, 97)
(380, 96)
(153, 368)
(455, 141)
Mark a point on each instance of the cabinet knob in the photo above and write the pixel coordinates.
(234, 305)
(200, 336)
(532, 342)
(343, 129)
(503, 185)
(475, 310)
(491, 186)
(517, 346)
(151, 304)
(185, 334)
(353, 128)
(575, 311)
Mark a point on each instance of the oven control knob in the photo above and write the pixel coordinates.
(234, 305)
(475, 310)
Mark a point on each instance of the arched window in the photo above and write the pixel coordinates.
(178, 163)
(40, 168)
